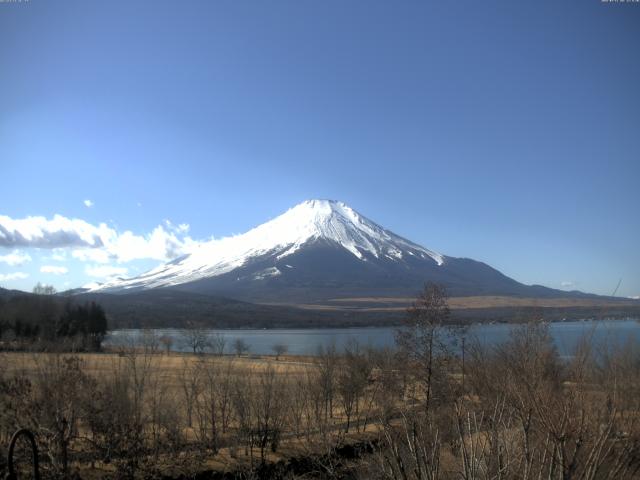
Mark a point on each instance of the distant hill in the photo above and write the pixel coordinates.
(175, 308)
(171, 308)
(168, 307)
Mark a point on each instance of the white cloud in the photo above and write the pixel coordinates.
(55, 270)
(88, 203)
(105, 271)
(95, 243)
(182, 228)
(96, 255)
(59, 255)
(15, 258)
(159, 245)
(567, 284)
(637, 297)
(55, 233)
(13, 276)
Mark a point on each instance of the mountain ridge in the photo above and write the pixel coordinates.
(322, 249)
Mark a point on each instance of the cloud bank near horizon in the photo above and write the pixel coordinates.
(95, 243)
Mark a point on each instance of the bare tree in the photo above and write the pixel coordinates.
(299, 405)
(316, 417)
(119, 413)
(411, 449)
(327, 362)
(195, 338)
(150, 341)
(240, 346)
(425, 337)
(167, 342)
(227, 372)
(43, 289)
(60, 383)
(190, 387)
(207, 403)
(213, 401)
(537, 416)
(269, 405)
(217, 343)
(279, 349)
(352, 380)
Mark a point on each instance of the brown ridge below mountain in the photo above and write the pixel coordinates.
(458, 303)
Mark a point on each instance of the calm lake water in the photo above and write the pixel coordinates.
(306, 341)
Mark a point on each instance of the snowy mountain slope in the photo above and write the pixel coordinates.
(305, 224)
(317, 251)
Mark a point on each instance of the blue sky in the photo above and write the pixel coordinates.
(503, 131)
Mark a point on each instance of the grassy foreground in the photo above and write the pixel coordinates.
(199, 412)
(513, 411)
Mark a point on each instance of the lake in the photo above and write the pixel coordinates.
(306, 341)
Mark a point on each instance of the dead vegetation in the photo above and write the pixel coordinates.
(513, 411)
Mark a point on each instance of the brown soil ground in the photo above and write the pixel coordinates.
(372, 304)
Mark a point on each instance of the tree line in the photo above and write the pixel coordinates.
(44, 320)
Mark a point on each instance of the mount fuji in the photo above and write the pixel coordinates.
(317, 251)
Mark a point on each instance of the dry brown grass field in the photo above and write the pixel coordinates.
(170, 379)
(399, 304)
(171, 365)
(513, 411)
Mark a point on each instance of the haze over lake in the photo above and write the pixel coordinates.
(306, 341)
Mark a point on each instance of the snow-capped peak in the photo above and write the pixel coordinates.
(313, 220)
(335, 221)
